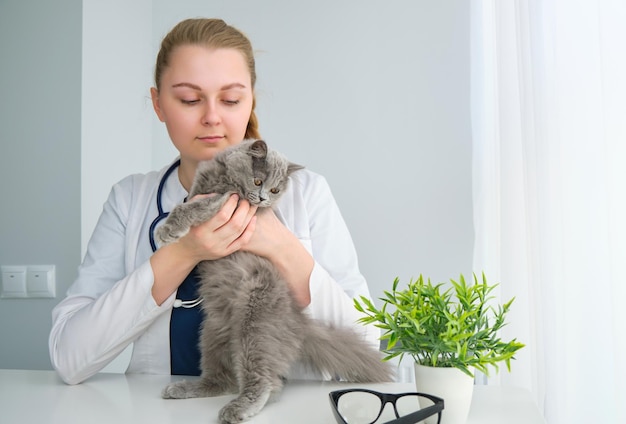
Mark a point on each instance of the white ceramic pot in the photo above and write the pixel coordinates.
(451, 384)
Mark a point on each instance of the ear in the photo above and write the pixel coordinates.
(293, 167)
(258, 149)
(154, 94)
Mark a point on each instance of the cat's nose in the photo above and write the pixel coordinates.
(262, 199)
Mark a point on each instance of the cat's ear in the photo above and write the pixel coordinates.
(258, 149)
(293, 167)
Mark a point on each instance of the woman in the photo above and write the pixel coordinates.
(128, 291)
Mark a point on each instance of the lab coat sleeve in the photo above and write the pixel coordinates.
(105, 310)
(336, 279)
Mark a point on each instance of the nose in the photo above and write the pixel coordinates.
(210, 115)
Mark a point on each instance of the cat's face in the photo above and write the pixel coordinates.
(260, 173)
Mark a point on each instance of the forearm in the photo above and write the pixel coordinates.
(170, 265)
(295, 264)
(88, 333)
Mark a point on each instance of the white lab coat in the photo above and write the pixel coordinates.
(110, 304)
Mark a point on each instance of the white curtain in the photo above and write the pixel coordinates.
(549, 136)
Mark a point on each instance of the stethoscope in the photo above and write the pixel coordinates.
(178, 303)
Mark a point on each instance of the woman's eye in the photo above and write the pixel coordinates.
(257, 182)
(274, 190)
(189, 102)
(231, 102)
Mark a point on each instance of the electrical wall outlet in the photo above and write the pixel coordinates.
(28, 281)
(13, 281)
(40, 281)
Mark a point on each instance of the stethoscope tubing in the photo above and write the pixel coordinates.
(178, 303)
(161, 215)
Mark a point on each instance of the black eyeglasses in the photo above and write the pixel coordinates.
(362, 406)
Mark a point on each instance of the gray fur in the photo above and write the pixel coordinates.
(255, 330)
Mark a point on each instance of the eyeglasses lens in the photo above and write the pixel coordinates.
(411, 403)
(363, 407)
(359, 407)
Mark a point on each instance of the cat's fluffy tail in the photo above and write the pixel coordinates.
(343, 353)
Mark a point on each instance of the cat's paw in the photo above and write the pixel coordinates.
(179, 390)
(165, 234)
(194, 389)
(234, 413)
(244, 407)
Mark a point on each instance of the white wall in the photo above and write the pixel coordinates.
(375, 96)
(116, 107)
(40, 68)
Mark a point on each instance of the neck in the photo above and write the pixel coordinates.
(186, 173)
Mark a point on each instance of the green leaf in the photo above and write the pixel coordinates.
(453, 327)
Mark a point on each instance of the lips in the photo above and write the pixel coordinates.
(211, 138)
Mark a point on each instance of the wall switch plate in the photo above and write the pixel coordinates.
(40, 281)
(13, 281)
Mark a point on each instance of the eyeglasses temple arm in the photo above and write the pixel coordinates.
(418, 416)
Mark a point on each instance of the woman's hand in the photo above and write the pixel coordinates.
(270, 235)
(230, 229)
(272, 240)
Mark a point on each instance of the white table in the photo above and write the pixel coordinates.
(41, 397)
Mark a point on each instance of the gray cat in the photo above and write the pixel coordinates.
(255, 330)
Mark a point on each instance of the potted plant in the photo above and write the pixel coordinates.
(446, 331)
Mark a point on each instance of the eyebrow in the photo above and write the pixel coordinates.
(198, 88)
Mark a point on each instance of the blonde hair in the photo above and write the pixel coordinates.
(212, 33)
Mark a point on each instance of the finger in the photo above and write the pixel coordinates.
(245, 236)
(246, 211)
(224, 215)
(242, 216)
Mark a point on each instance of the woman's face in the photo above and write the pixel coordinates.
(205, 100)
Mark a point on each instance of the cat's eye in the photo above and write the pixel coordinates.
(274, 190)
(257, 182)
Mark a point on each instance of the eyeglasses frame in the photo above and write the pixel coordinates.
(385, 398)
